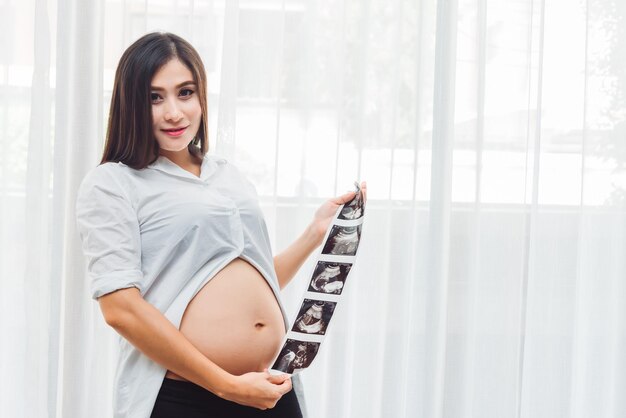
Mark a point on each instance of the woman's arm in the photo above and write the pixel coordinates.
(153, 334)
(291, 259)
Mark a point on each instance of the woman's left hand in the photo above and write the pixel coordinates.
(325, 213)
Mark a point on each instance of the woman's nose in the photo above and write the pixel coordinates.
(172, 112)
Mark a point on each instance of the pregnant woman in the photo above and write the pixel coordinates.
(178, 253)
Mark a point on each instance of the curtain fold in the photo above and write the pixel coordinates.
(490, 280)
(37, 205)
(79, 372)
(436, 287)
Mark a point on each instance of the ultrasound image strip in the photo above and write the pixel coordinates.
(343, 240)
(354, 209)
(329, 277)
(295, 356)
(314, 316)
(325, 288)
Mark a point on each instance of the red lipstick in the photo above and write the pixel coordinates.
(175, 132)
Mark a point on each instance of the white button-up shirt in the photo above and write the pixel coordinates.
(166, 232)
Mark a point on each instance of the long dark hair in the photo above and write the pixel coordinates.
(130, 136)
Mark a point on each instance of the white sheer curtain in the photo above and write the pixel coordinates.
(491, 280)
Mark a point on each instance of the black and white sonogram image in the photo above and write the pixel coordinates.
(314, 316)
(355, 208)
(329, 277)
(296, 355)
(343, 240)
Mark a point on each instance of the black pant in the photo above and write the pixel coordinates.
(183, 399)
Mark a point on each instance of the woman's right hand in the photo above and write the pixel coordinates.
(258, 389)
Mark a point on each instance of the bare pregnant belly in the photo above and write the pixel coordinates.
(235, 320)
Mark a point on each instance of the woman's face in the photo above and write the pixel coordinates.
(176, 111)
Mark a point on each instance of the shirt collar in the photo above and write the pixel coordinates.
(209, 165)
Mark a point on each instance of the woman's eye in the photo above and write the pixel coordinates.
(186, 92)
(154, 97)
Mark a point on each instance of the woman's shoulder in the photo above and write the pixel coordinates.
(108, 175)
(106, 171)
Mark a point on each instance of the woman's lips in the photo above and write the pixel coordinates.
(174, 132)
